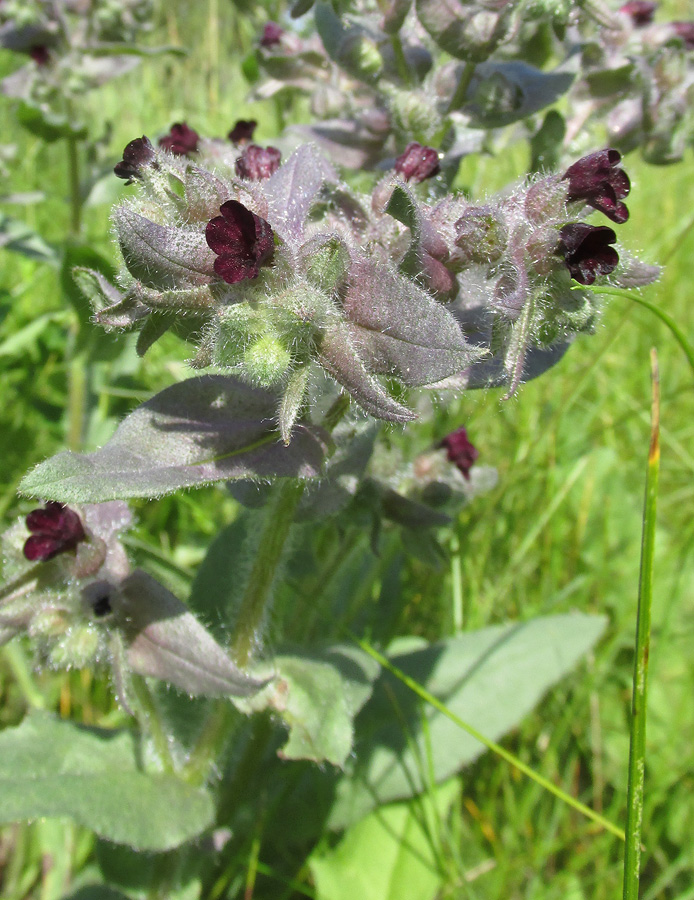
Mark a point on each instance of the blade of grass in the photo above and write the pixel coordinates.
(490, 745)
(637, 744)
(664, 317)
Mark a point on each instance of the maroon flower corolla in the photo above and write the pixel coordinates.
(417, 163)
(257, 163)
(181, 140)
(54, 529)
(242, 132)
(587, 252)
(40, 54)
(137, 155)
(685, 30)
(596, 180)
(242, 241)
(639, 11)
(460, 451)
(271, 36)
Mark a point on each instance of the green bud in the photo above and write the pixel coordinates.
(360, 56)
(414, 114)
(266, 361)
(329, 266)
(77, 648)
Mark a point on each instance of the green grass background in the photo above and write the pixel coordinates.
(560, 532)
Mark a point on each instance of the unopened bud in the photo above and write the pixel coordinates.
(360, 55)
(266, 361)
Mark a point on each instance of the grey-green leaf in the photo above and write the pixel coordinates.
(50, 767)
(162, 257)
(318, 697)
(165, 640)
(200, 431)
(489, 678)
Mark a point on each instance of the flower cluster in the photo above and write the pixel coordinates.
(279, 271)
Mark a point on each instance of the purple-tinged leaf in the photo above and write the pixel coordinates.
(401, 329)
(291, 191)
(340, 359)
(164, 640)
(203, 430)
(162, 257)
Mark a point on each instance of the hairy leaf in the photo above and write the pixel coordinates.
(400, 328)
(50, 767)
(160, 256)
(317, 697)
(490, 678)
(165, 640)
(340, 359)
(291, 191)
(207, 429)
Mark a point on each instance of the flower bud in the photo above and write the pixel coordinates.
(77, 648)
(360, 55)
(138, 154)
(417, 163)
(266, 361)
(242, 132)
(257, 163)
(481, 237)
(54, 529)
(181, 140)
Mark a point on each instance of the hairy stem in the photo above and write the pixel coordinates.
(150, 721)
(278, 522)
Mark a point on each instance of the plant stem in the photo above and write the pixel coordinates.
(77, 396)
(637, 744)
(460, 93)
(401, 65)
(278, 521)
(73, 163)
(150, 721)
(214, 735)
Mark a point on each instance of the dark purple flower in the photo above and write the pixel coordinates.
(640, 11)
(685, 30)
(417, 163)
(272, 35)
(587, 251)
(596, 180)
(137, 155)
(181, 140)
(242, 241)
(40, 54)
(460, 451)
(257, 163)
(54, 529)
(242, 132)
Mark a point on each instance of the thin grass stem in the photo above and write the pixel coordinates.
(490, 745)
(637, 743)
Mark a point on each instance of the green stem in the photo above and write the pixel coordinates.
(404, 70)
(460, 93)
(637, 744)
(664, 317)
(213, 737)
(78, 383)
(491, 745)
(16, 660)
(73, 163)
(278, 522)
(150, 721)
